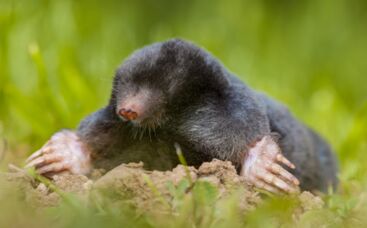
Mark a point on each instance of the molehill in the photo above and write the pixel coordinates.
(146, 190)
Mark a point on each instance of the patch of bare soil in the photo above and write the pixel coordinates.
(147, 190)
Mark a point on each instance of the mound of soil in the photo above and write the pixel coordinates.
(144, 189)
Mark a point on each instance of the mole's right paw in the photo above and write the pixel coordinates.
(64, 152)
(262, 168)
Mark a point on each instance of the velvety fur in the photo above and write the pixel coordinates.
(205, 109)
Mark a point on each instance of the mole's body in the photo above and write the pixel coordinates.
(174, 92)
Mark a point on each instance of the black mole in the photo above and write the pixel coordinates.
(175, 92)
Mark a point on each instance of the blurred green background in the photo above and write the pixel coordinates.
(57, 59)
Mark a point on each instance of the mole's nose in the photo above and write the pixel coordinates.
(128, 114)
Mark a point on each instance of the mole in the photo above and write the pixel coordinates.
(175, 93)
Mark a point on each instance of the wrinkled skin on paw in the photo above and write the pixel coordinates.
(64, 152)
(262, 168)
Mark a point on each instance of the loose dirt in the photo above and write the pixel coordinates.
(147, 190)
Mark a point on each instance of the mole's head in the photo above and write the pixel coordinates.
(162, 79)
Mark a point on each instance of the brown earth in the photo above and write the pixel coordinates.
(146, 190)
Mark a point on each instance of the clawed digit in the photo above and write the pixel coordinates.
(282, 159)
(43, 160)
(54, 167)
(277, 169)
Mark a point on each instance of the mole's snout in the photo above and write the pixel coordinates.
(128, 114)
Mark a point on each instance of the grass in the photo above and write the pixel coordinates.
(57, 59)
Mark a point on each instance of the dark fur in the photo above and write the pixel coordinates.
(205, 109)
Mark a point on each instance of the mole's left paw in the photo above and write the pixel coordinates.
(64, 152)
(261, 168)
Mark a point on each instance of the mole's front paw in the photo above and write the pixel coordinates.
(261, 168)
(64, 152)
